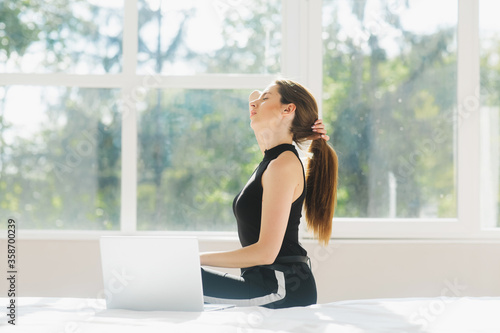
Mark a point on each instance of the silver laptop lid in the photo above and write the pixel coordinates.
(151, 273)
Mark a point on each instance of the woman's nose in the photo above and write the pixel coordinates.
(252, 99)
(254, 95)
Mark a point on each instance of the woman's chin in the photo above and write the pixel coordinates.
(256, 125)
(253, 123)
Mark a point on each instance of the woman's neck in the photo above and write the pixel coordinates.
(268, 139)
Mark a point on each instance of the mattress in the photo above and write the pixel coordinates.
(440, 314)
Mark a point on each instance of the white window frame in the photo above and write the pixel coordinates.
(302, 61)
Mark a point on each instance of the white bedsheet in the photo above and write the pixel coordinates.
(443, 315)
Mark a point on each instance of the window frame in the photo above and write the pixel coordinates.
(301, 60)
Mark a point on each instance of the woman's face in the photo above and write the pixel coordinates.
(265, 107)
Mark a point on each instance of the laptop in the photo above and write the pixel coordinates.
(153, 273)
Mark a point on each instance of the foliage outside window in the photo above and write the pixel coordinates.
(389, 98)
(389, 95)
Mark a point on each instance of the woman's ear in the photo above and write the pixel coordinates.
(290, 109)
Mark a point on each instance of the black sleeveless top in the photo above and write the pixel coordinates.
(247, 208)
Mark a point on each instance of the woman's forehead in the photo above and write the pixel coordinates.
(271, 88)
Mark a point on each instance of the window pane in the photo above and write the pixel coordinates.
(70, 36)
(196, 152)
(209, 36)
(60, 157)
(389, 98)
(489, 30)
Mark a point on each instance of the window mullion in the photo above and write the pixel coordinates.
(467, 117)
(293, 47)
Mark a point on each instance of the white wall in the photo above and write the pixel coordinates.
(347, 269)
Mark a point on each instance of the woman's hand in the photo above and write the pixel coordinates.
(320, 131)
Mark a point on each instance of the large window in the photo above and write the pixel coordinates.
(389, 93)
(131, 115)
(139, 121)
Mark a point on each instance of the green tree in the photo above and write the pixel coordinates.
(196, 147)
(66, 175)
(379, 106)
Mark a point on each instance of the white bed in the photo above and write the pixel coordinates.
(443, 315)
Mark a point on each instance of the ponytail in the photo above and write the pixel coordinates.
(322, 169)
(321, 195)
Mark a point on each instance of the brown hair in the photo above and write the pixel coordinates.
(322, 168)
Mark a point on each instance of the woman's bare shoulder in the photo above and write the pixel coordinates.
(286, 164)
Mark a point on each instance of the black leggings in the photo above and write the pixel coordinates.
(273, 286)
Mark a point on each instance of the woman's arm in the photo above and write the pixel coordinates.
(281, 182)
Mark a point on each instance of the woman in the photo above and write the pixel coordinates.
(275, 268)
